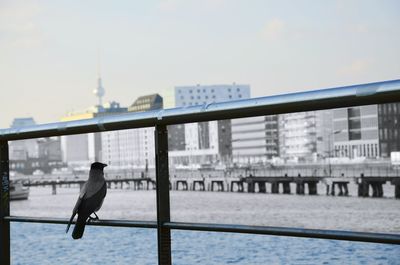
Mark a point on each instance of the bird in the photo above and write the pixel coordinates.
(90, 199)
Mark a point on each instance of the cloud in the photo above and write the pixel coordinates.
(174, 5)
(169, 5)
(355, 68)
(359, 29)
(215, 3)
(273, 29)
(17, 24)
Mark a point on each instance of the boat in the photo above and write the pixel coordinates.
(18, 191)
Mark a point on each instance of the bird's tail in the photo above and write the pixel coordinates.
(70, 222)
(79, 228)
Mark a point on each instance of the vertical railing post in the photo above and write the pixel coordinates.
(163, 209)
(5, 205)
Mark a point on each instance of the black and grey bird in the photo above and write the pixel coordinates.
(90, 199)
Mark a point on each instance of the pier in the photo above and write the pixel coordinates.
(307, 185)
(284, 182)
(372, 186)
(116, 183)
(342, 188)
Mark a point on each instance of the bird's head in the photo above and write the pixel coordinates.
(96, 169)
(98, 166)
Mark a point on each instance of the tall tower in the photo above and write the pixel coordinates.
(99, 91)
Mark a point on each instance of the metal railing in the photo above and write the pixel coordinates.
(365, 94)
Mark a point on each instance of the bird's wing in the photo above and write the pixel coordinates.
(83, 190)
(78, 202)
(71, 219)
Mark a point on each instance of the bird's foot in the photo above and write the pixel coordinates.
(96, 215)
(93, 218)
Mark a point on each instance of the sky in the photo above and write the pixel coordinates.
(50, 50)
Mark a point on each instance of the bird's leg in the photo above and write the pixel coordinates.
(96, 215)
(93, 218)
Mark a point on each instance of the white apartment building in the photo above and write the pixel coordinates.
(305, 136)
(83, 149)
(255, 139)
(203, 142)
(132, 147)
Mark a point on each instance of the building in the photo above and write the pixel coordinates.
(305, 136)
(82, 149)
(22, 149)
(389, 127)
(367, 131)
(325, 134)
(298, 136)
(146, 103)
(28, 155)
(22, 122)
(132, 147)
(255, 139)
(50, 149)
(204, 142)
(357, 132)
(22, 152)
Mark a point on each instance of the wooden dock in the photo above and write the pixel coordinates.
(304, 185)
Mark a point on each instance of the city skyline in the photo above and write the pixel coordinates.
(49, 61)
(274, 123)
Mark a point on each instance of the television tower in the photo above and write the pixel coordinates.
(99, 91)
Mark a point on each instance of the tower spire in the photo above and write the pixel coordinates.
(99, 91)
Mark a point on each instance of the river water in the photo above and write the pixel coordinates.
(48, 244)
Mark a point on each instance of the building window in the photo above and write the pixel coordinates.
(353, 112)
(354, 123)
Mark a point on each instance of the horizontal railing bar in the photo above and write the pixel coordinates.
(288, 231)
(365, 94)
(228, 228)
(117, 223)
